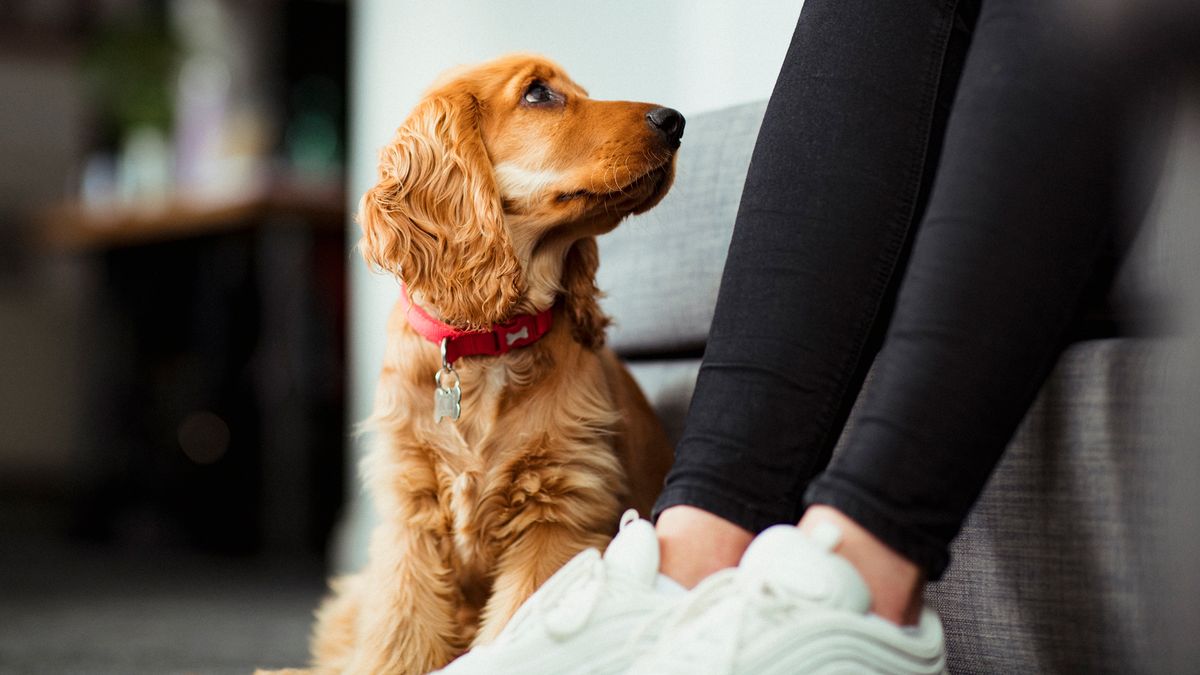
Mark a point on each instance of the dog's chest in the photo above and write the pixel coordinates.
(472, 497)
(464, 518)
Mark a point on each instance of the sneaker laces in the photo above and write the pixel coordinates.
(745, 596)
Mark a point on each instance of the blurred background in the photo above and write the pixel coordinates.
(172, 329)
(186, 334)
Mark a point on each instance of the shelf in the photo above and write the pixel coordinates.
(76, 227)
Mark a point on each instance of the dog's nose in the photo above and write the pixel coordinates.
(669, 122)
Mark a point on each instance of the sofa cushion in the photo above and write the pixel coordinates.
(661, 269)
(1049, 569)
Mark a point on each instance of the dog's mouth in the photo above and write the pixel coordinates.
(635, 196)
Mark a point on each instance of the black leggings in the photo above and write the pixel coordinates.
(930, 193)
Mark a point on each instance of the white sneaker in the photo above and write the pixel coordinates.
(791, 606)
(587, 619)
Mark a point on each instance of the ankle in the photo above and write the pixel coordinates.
(694, 543)
(895, 582)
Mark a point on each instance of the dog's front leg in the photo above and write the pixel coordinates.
(524, 565)
(407, 619)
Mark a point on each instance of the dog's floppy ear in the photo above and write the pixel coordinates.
(581, 298)
(435, 219)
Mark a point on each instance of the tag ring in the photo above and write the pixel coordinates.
(446, 370)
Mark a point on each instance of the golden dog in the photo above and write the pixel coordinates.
(487, 206)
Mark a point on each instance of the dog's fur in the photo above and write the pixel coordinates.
(487, 206)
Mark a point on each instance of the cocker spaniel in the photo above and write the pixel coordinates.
(508, 437)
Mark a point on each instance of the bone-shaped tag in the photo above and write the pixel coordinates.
(519, 335)
(447, 403)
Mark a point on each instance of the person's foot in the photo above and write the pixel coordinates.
(695, 543)
(791, 606)
(590, 617)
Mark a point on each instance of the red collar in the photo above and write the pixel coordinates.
(520, 331)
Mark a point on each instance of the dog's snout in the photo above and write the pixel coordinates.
(669, 122)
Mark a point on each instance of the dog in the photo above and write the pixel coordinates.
(508, 437)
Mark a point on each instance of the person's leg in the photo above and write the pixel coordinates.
(1019, 218)
(840, 171)
(1018, 222)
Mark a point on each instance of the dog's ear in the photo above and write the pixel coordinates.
(581, 298)
(435, 219)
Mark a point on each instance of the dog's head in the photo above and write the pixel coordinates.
(490, 192)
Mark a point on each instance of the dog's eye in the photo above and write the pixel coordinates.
(538, 93)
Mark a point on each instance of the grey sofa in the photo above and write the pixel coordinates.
(1049, 572)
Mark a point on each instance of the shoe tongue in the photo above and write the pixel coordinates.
(634, 552)
(784, 559)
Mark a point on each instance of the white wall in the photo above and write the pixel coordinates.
(692, 55)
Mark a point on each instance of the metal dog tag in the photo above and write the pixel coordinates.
(447, 399)
(447, 403)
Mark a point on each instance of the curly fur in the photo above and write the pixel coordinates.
(435, 216)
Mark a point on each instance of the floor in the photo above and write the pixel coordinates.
(70, 608)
